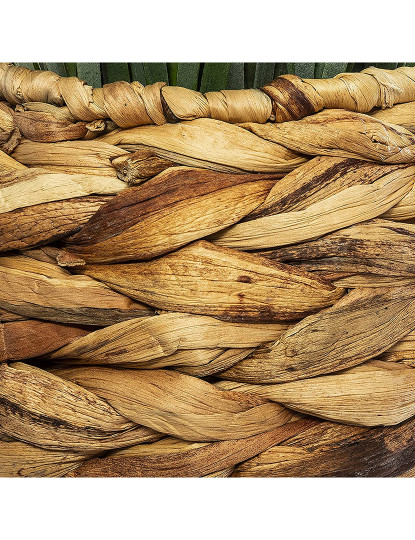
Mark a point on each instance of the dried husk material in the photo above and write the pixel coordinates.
(402, 114)
(7, 163)
(352, 205)
(71, 157)
(331, 450)
(71, 418)
(59, 113)
(368, 280)
(377, 246)
(228, 105)
(210, 144)
(9, 134)
(319, 179)
(44, 254)
(403, 209)
(336, 132)
(44, 127)
(30, 187)
(42, 290)
(151, 342)
(134, 168)
(18, 459)
(403, 350)
(204, 362)
(83, 103)
(204, 279)
(293, 97)
(20, 340)
(8, 316)
(360, 326)
(46, 222)
(179, 405)
(372, 394)
(19, 84)
(172, 209)
(170, 457)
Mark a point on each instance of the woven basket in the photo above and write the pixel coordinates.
(217, 284)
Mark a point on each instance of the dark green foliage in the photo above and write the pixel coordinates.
(90, 73)
(215, 76)
(156, 73)
(114, 71)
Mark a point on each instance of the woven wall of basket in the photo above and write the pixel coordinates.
(217, 284)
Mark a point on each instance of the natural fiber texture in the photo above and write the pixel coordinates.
(211, 285)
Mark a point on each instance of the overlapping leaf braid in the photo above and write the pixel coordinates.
(286, 98)
(225, 317)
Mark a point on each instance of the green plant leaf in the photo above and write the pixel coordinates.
(333, 68)
(249, 72)
(392, 65)
(236, 76)
(280, 69)
(114, 71)
(305, 70)
(290, 68)
(214, 77)
(137, 73)
(90, 73)
(71, 69)
(264, 73)
(28, 65)
(155, 72)
(172, 71)
(188, 75)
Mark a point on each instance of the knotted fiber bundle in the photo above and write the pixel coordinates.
(213, 285)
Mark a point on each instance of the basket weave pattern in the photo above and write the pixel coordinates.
(218, 284)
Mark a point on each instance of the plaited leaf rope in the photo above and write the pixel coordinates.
(218, 284)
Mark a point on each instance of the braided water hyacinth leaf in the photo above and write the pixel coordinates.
(70, 157)
(39, 224)
(288, 97)
(377, 246)
(210, 144)
(352, 205)
(136, 167)
(36, 186)
(18, 459)
(45, 127)
(208, 280)
(281, 339)
(151, 342)
(30, 338)
(174, 208)
(179, 405)
(7, 163)
(172, 457)
(42, 290)
(336, 132)
(403, 209)
(10, 135)
(372, 394)
(360, 326)
(293, 97)
(402, 351)
(71, 418)
(402, 114)
(317, 180)
(329, 449)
